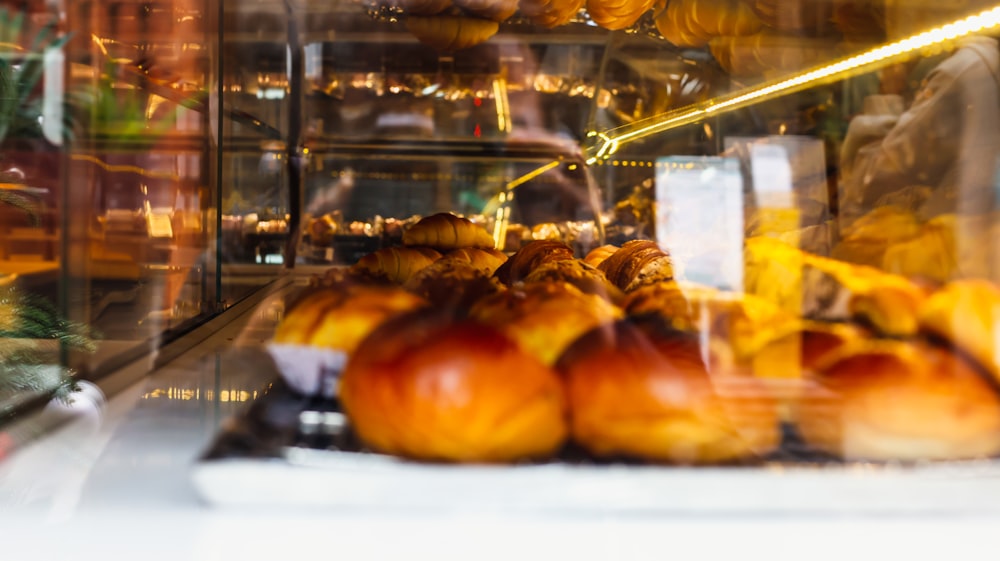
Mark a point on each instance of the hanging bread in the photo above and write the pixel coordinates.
(692, 23)
(451, 32)
(421, 7)
(496, 10)
(551, 13)
(446, 232)
(617, 14)
(767, 53)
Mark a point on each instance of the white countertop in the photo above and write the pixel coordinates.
(117, 483)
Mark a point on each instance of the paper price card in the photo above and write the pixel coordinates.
(700, 218)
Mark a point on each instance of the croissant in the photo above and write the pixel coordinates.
(397, 264)
(587, 278)
(453, 284)
(446, 232)
(496, 10)
(617, 14)
(487, 260)
(638, 262)
(551, 13)
(532, 255)
(599, 254)
(451, 33)
(692, 23)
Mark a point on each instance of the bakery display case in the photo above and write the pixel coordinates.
(533, 244)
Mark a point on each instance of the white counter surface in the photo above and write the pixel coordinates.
(117, 484)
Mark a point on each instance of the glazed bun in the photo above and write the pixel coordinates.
(340, 318)
(588, 279)
(636, 263)
(496, 10)
(447, 32)
(636, 394)
(966, 313)
(426, 387)
(531, 256)
(453, 285)
(887, 400)
(396, 264)
(617, 14)
(544, 318)
(487, 260)
(447, 232)
(599, 254)
(551, 13)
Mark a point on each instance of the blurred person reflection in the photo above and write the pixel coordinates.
(939, 155)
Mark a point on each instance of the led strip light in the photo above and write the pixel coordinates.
(609, 142)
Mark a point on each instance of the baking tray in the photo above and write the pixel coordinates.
(294, 451)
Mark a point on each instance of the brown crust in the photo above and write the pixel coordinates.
(642, 395)
(551, 13)
(617, 14)
(883, 400)
(426, 387)
(453, 285)
(588, 279)
(638, 262)
(544, 318)
(967, 314)
(396, 264)
(531, 256)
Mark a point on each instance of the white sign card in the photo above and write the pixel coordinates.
(699, 220)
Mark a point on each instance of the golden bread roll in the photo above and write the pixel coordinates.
(647, 396)
(446, 232)
(589, 280)
(889, 400)
(617, 14)
(544, 318)
(636, 263)
(422, 7)
(451, 32)
(967, 314)
(340, 318)
(430, 388)
(599, 254)
(531, 256)
(496, 10)
(551, 13)
(453, 284)
(692, 23)
(397, 264)
(487, 260)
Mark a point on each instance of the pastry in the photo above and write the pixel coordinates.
(636, 263)
(966, 313)
(551, 13)
(597, 255)
(617, 14)
(887, 400)
(531, 256)
(446, 232)
(633, 393)
(487, 260)
(588, 279)
(426, 387)
(453, 284)
(496, 10)
(544, 318)
(451, 32)
(692, 23)
(396, 264)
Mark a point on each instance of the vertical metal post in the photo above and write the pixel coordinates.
(293, 148)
